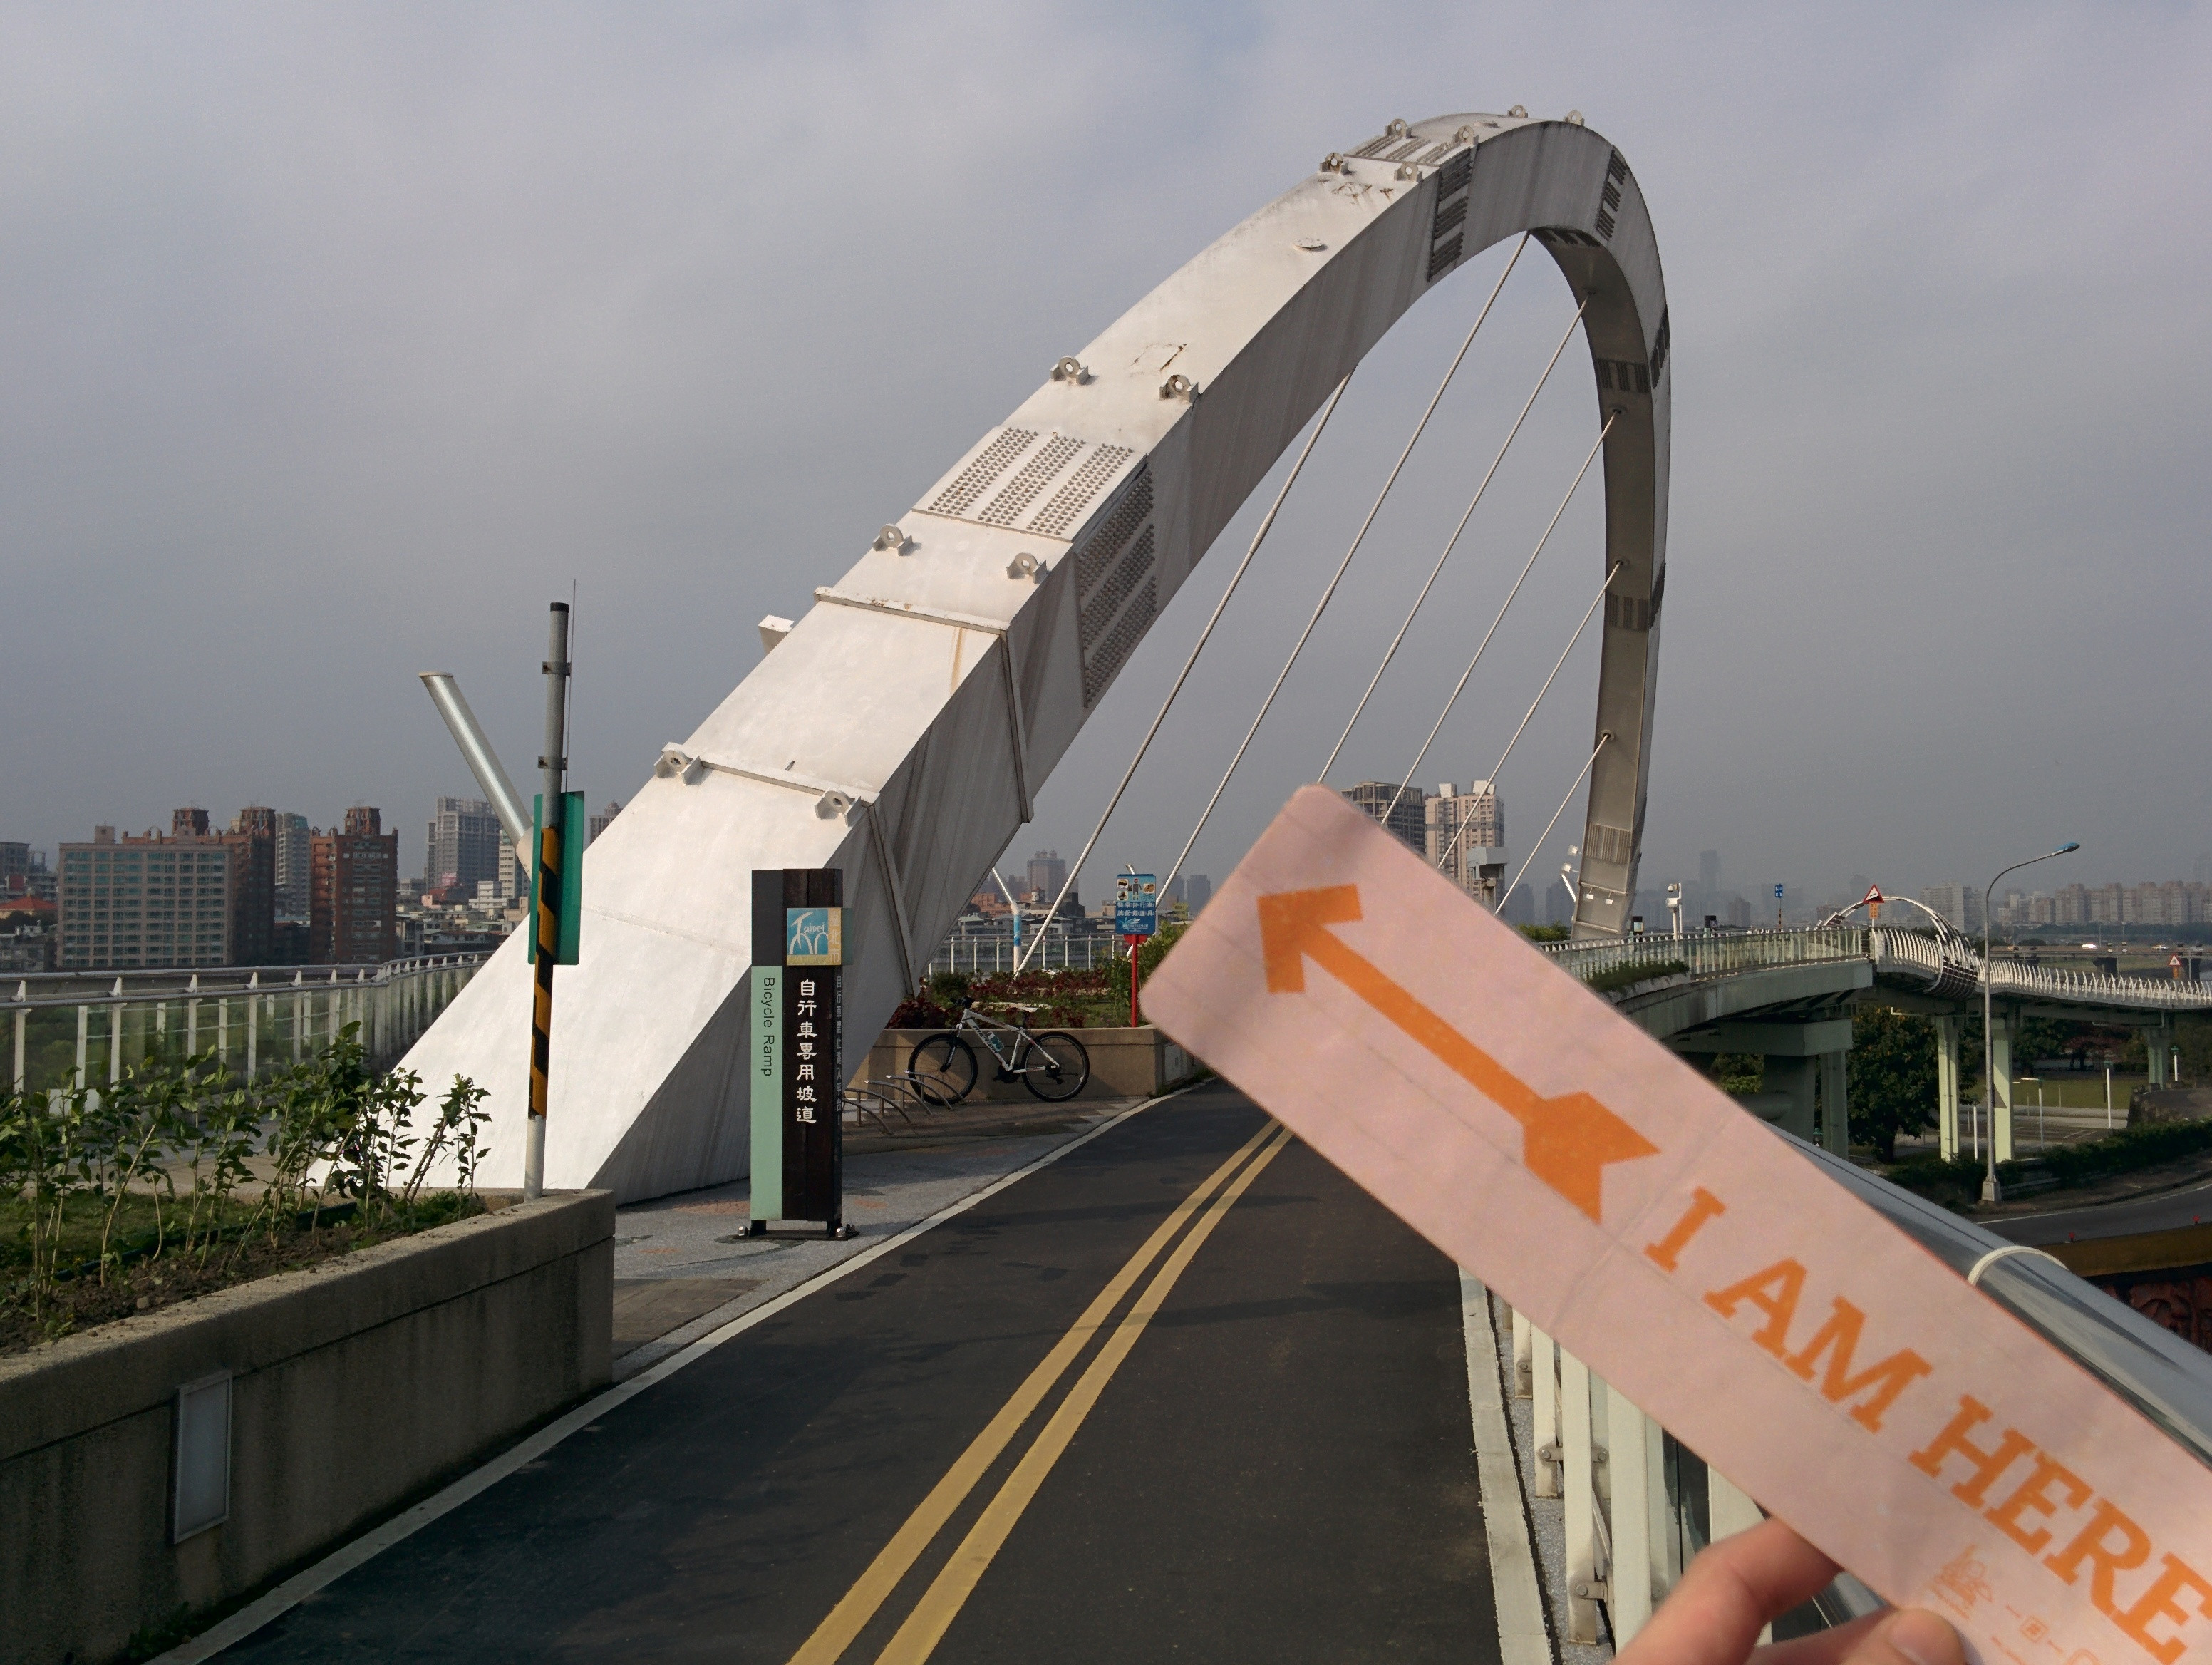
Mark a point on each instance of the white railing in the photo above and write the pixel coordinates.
(86, 1027)
(982, 956)
(1951, 964)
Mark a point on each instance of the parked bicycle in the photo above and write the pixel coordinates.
(1053, 1065)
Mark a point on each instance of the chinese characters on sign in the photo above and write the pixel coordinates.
(798, 1146)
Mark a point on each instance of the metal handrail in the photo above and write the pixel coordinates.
(1950, 962)
(43, 990)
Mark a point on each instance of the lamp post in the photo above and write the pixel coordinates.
(1991, 1191)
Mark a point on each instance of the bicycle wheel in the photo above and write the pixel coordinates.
(943, 1068)
(1058, 1065)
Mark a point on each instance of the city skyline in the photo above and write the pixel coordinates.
(1895, 571)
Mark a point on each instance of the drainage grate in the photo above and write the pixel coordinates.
(1613, 845)
(1065, 506)
(1605, 223)
(1448, 217)
(1612, 195)
(1443, 257)
(981, 475)
(1021, 491)
(1376, 147)
(1627, 612)
(1121, 642)
(1659, 350)
(1456, 172)
(1617, 169)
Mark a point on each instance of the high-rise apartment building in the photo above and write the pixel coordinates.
(1197, 891)
(463, 845)
(1408, 820)
(293, 859)
(1046, 874)
(1708, 870)
(1959, 904)
(252, 840)
(148, 902)
(354, 892)
(597, 823)
(15, 868)
(1465, 837)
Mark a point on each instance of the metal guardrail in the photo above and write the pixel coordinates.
(251, 1017)
(982, 956)
(1950, 966)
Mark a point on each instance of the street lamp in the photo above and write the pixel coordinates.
(1991, 1191)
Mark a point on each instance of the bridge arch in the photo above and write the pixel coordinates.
(900, 728)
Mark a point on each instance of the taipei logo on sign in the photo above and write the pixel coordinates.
(813, 936)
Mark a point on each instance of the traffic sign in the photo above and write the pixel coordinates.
(1137, 905)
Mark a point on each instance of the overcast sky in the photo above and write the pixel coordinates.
(338, 340)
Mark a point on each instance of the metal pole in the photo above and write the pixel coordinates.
(552, 770)
(1991, 1191)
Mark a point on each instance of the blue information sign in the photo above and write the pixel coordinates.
(1137, 905)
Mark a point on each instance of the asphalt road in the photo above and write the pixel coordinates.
(1260, 1451)
(2190, 1205)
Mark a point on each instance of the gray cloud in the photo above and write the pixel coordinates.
(340, 341)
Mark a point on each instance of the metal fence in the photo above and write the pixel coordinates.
(86, 1027)
(981, 955)
(1950, 964)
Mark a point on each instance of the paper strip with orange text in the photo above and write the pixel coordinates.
(1909, 1426)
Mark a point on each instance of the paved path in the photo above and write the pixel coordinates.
(1246, 1436)
(2190, 1204)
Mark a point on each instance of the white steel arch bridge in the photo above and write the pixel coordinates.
(902, 727)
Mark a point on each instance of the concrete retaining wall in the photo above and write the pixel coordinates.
(357, 1383)
(1125, 1063)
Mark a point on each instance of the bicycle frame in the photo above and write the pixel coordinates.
(974, 1022)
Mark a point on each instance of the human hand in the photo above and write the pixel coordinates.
(1734, 1588)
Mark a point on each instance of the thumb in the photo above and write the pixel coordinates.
(1912, 1636)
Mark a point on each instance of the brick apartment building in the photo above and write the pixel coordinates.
(354, 892)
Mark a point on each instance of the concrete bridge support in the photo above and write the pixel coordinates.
(1947, 1086)
(1835, 1101)
(2003, 1025)
(1805, 1061)
(2157, 1050)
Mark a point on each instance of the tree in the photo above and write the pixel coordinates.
(1893, 1077)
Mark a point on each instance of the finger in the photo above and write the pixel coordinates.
(1730, 1592)
(1911, 1636)
(1828, 1647)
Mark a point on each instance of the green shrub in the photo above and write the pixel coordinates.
(1641, 971)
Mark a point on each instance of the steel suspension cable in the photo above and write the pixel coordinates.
(1235, 578)
(1481, 648)
(1389, 653)
(1321, 606)
(1527, 861)
(1611, 571)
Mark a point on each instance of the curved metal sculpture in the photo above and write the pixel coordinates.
(900, 728)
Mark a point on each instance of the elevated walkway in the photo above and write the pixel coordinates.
(1788, 995)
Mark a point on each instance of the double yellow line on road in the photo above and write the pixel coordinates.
(941, 1602)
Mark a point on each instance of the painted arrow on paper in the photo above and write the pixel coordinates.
(1566, 1142)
